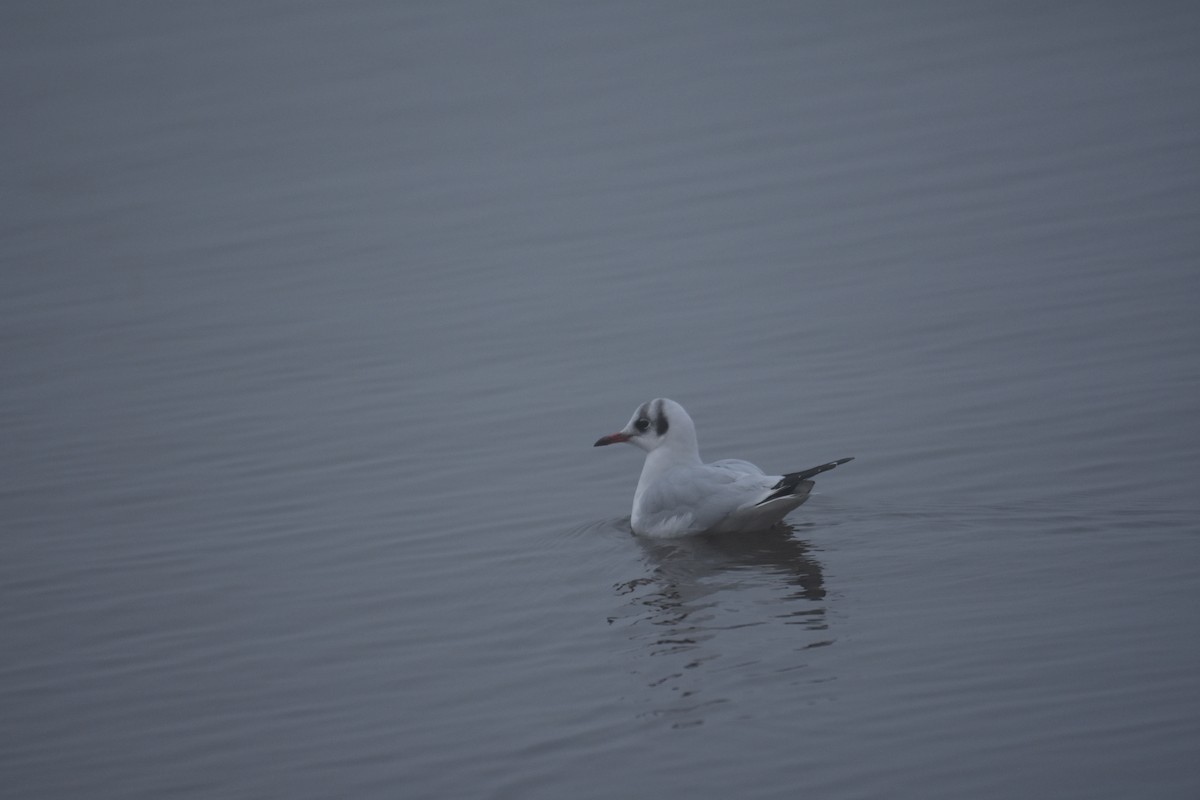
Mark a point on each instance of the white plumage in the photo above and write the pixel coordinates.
(678, 494)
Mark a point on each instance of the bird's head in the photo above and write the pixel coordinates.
(657, 423)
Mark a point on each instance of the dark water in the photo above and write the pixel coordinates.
(310, 313)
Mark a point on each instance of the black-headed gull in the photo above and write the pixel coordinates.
(678, 494)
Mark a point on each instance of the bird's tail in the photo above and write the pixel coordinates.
(792, 482)
(808, 473)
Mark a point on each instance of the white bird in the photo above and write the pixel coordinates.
(678, 494)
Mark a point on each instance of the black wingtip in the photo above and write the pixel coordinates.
(791, 480)
(808, 473)
(790, 483)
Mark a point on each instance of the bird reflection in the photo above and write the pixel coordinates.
(699, 588)
(676, 563)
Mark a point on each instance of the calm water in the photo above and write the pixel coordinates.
(311, 312)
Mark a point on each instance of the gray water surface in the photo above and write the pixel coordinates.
(310, 314)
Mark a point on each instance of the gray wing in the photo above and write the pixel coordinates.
(712, 492)
(736, 465)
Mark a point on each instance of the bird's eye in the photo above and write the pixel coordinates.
(642, 424)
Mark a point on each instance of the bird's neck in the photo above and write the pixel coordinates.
(680, 453)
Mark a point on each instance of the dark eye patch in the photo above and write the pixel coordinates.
(642, 424)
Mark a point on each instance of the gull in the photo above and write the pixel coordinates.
(678, 494)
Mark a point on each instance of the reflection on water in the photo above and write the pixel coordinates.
(690, 614)
(776, 551)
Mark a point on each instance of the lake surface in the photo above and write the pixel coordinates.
(311, 312)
